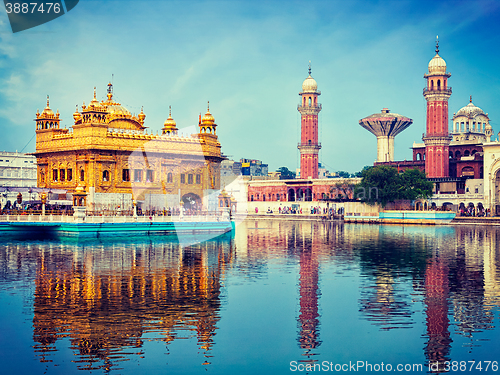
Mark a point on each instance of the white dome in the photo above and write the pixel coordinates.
(470, 110)
(437, 65)
(309, 85)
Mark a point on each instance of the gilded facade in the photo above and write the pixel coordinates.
(109, 152)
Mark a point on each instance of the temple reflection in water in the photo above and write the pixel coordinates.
(105, 300)
(106, 297)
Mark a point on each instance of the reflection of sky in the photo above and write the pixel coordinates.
(249, 59)
(240, 306)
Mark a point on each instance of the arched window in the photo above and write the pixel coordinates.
(439, 84)
(105, 175)
(82, 175)
(309, 101)
(466, 153)
(457, 154)
(169, 178)
(419, 156)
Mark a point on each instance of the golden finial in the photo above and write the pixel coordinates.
(208, 105)
(94, 94)
(309, 67)
(169, 111)
(437, 44)
(47, 101)
(110, 91)
(470, 100)
(141, 116)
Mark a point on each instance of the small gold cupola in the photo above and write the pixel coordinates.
(47, 119)
(207, 123)
(169, 126)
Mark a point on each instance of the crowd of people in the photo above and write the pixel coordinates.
(310, 211)
(473, 211)
(34, 208)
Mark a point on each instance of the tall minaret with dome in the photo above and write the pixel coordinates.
(309, 146)
(437, 138)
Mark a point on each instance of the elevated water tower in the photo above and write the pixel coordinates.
(385, 126)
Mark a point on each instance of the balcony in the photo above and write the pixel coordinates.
(437, 89)
(312, 145)
(311, 108)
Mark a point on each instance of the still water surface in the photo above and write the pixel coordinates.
(271, 298)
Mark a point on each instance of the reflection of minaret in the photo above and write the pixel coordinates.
(436, 300)
(309, 294)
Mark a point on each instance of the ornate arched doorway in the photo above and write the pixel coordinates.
(192, 202)
(291, 195)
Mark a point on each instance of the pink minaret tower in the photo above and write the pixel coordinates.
(309, 146)
(437, 139)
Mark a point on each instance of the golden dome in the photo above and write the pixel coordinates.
(47, 111)
(94, 102)
(208, 119)
(117, 110)
(169, 122)
(77, 115)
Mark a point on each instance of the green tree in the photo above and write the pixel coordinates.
(286, 174)
(415, 185)
(383, 184)
(343, 190)
(360, 173)
(380, 184)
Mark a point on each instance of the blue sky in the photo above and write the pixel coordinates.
(249, 59)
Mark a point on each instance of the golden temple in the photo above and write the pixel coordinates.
(109, 153)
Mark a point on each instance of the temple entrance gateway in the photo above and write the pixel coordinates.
(191, 201)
